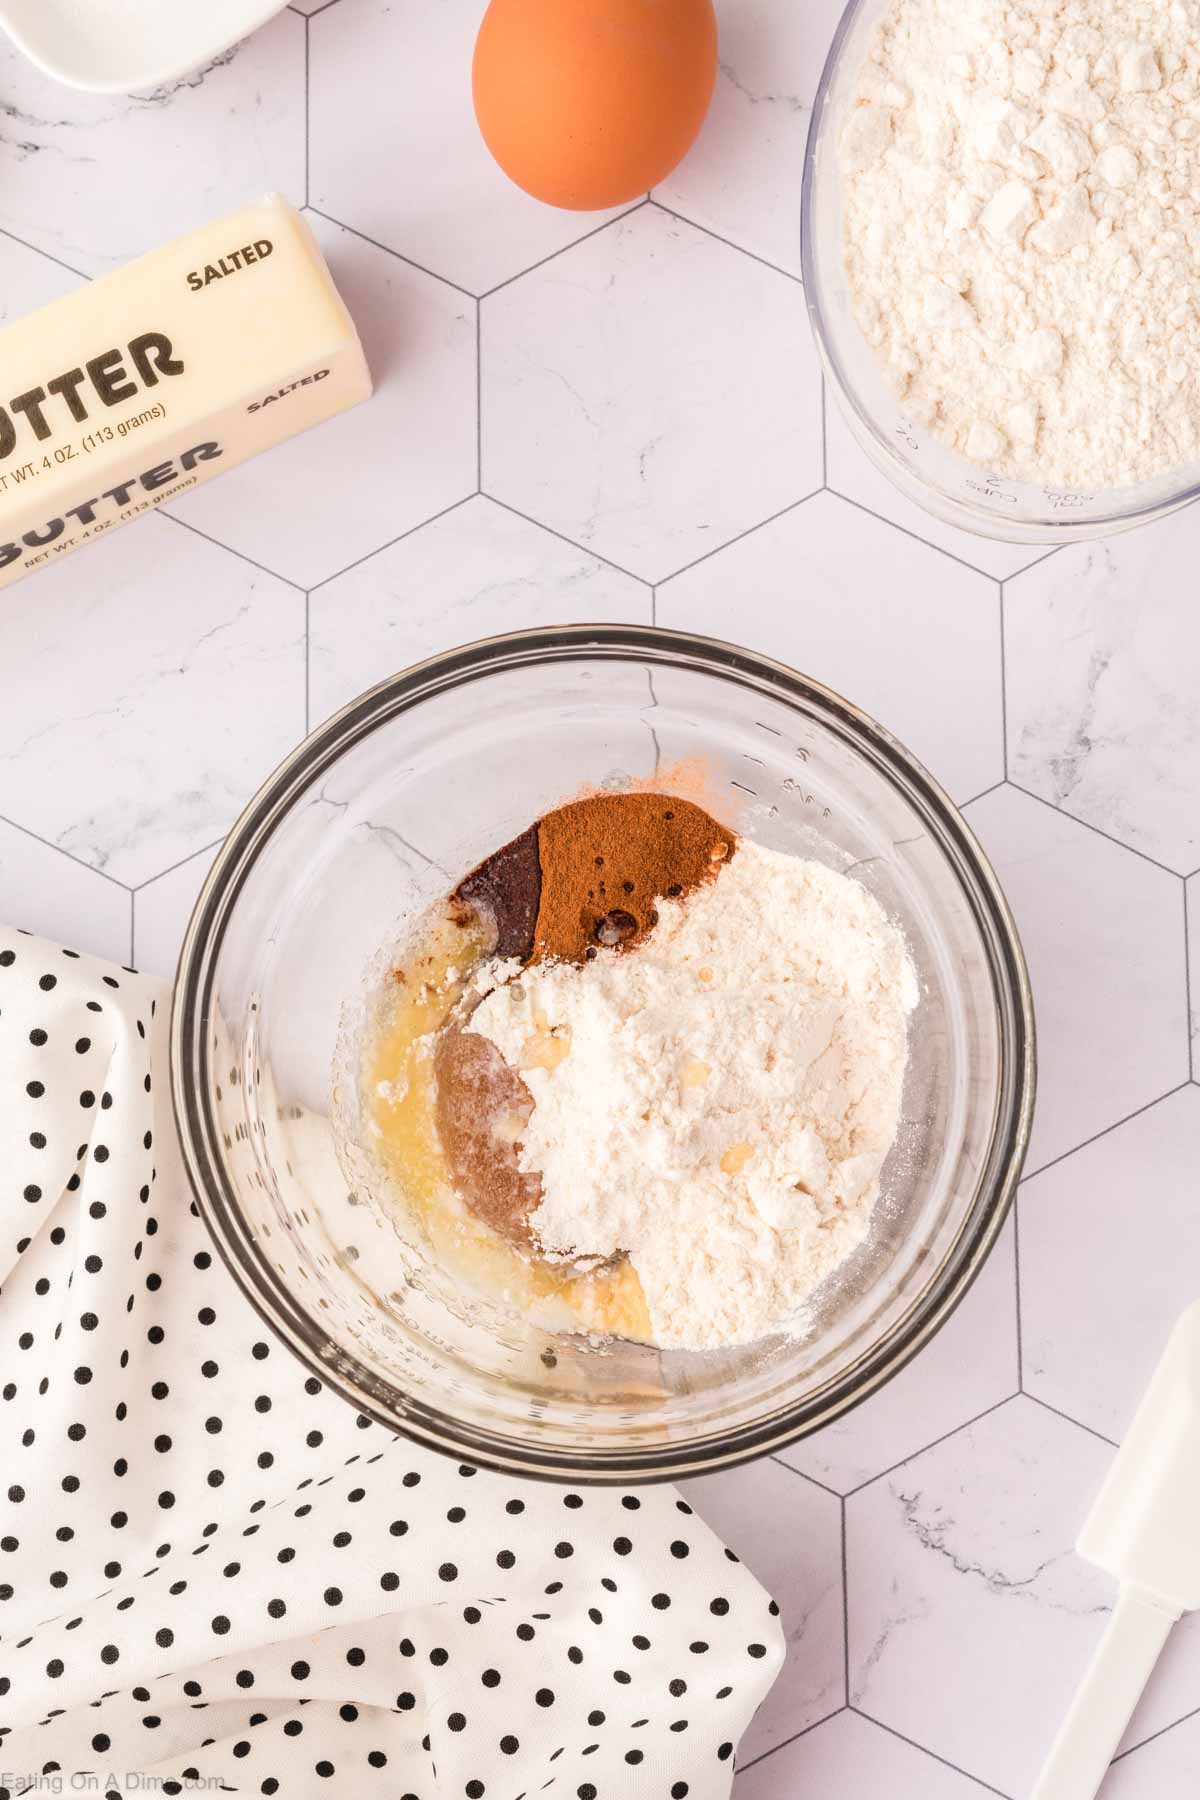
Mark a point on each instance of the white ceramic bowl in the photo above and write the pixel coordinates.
(121, 46)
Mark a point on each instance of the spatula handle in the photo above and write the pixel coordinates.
(1105, 1700)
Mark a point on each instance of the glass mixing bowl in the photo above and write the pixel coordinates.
(945, 484)
(376, 816)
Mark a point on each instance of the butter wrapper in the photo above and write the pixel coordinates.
(134, 390)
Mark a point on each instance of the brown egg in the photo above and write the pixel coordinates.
(587, 103)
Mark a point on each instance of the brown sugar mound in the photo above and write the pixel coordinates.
(482, 1107)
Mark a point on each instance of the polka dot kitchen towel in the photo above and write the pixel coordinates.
(214, 1576)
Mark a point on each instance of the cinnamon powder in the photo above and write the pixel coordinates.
(605, 861)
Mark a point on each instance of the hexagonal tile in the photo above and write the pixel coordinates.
(478, 570)
(391, 82)
(971, 1617)
(852, 1758)
(850, 471)
(808, 589)
(100, 178)
(741, 178)
(320, 501)
(970, 1365)
(1110, 1236)
(1167, 1769)
(1103, 935)
(790, 1534)
(43, 890)
(161, 910)
(134, 759)
(650, 394)
(1102, 647)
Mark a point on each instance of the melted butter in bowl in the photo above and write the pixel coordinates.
(434, 1139)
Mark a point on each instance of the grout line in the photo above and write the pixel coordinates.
(1067, 1419)
(479, 396)
(307, 664)
(654, 605)
(802, 1475)
(315, 10)
(905, 531)
(1115, 1126)
(132, 899)
(78, 861)
(584, 549)
(933, 1444)
(1037, 561)
(824, 432)
(390, 545)
(1187, 975)
(1017, 1272)
(171, 867)
(1063, 813)
(771, 519)
(925, 1751)
(994, 789)
(48, 254)
(740, 249)
(562, 250)
(845, 1607)
(1162, 1732)
(794, 1739)
(229, 549)
(307, 108)
(388, 251)
(1003, 686)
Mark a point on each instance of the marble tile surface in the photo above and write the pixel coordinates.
(807, 589)
(970, 1366)
(130, 761)
(474, 572)
(790, 1533)
(584, 417)
(1113, 1232)
(1102, 658)
(1103, 935)
(741, 177)
(851, 1755)
(673, 378)
(395, 151)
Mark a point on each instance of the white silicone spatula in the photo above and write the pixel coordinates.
(1145, 1529)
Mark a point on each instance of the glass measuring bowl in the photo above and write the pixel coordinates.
(376, 816)
(944, 483)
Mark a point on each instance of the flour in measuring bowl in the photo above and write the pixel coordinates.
(1021, 184)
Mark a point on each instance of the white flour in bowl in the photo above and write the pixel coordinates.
(727, 1096)
(1022, 230)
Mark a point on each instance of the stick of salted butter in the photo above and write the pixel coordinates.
(143, 384)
